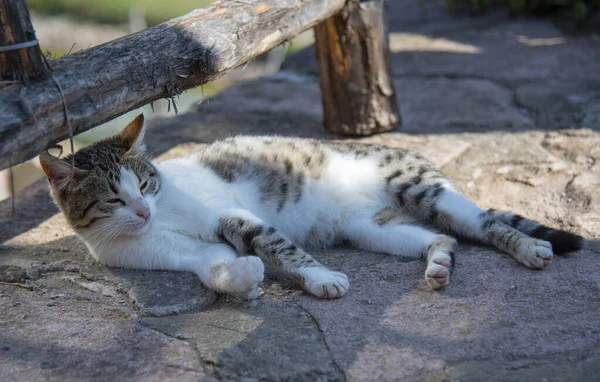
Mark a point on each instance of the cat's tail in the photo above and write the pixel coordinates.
(562, 241)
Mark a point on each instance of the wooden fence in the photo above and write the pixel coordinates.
(96, 85)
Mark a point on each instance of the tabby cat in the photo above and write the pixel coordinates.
(272, 198)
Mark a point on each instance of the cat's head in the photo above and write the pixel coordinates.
(111, 190)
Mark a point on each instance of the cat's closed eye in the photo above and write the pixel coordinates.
(143, 186)
(116, 201)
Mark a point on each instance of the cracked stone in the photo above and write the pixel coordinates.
(12, 274)
(99, 288)
(428, 333)
(570, 105)
(82, 340)
(268, 341)
(573, 145)
(459, 105)
(157, 293)
(516, 157)
(582, 191)
(557, 370)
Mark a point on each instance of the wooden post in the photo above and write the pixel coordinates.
(18, 64)
(356, 85)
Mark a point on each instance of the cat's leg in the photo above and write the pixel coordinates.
(220, 269)
(458, 214)
(217, 265)
(249, 234)
(407, 241)
(450, 211)
(427, 195)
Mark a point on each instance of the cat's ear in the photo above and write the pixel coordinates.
(58, 172)
(133, 135)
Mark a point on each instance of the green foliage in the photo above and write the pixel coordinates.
(117, 11)
(580, 8)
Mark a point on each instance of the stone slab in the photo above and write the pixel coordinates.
(51, 335)
(260, 340)
(495, 312)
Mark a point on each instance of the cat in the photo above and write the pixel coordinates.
(272, 199)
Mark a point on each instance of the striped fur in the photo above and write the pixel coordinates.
(272, 199)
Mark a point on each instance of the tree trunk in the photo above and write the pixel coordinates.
(356, 85)
(19, 64)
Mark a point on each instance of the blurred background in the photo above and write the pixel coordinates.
(67, 26)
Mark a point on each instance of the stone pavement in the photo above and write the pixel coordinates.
(509, 109)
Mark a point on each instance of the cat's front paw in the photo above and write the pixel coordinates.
(439, 269)
(244, 274)
(323, 283)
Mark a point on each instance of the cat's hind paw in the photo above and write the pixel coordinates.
(536, 255)
(323, 283)
(439, 269)
(244, 274)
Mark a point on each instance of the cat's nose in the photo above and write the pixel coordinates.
(141, 208)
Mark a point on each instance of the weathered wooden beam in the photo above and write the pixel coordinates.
(356, 85)
(20, 55)
(101, 83)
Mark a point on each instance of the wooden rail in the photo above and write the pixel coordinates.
(101, 83)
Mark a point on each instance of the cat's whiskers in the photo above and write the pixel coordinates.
(98, 232)
(87, 237)
(79, 245)
(99, 236)
(100, 241)
(113, 233)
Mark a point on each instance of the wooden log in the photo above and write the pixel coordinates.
(15, 28)
(101, 83)
(357, 89)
